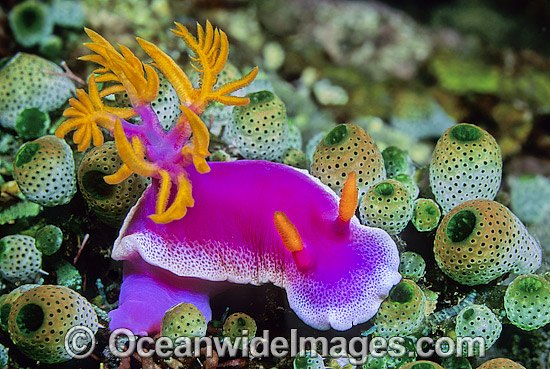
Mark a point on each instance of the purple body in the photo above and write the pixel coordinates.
(229, 235)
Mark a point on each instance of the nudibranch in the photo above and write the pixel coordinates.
(255, 222)
(240, 222)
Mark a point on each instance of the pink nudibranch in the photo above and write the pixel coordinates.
(229, 235)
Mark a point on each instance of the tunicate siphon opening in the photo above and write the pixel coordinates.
(461, 225)
(465, 133)
(26, 153)
(30, 318)
(337, 135)
(384, 189)
(31, 18)
(429, 209)
(529, 285)
(395, 155)
(260, 97)
(469, 314)
(32, 123)
(95, 185)
(402, 293)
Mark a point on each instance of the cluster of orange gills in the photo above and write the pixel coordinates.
(145, 148)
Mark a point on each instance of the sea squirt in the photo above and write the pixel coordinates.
(230, 235)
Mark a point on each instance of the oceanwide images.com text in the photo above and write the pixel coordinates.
(123, 343)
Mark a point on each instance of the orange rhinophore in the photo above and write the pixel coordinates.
(349, 199)
(288, 232)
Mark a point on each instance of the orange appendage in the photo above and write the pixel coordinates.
(182, 201)
(132, 154)
(137, 144)
(211, 49)
(349, 199)
(198, 149)
(86, 113)
(140, 81)
(288, 232)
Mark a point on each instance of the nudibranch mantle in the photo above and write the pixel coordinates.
(229, 235)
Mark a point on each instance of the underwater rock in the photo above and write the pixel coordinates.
(328, 93)
(474, 18)
(385, 135)
(515, 123)
(280, 17)
(273, 56)
(461, 75)
(531, 85)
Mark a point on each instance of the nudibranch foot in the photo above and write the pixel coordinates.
(258, 222)
(148, 291)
